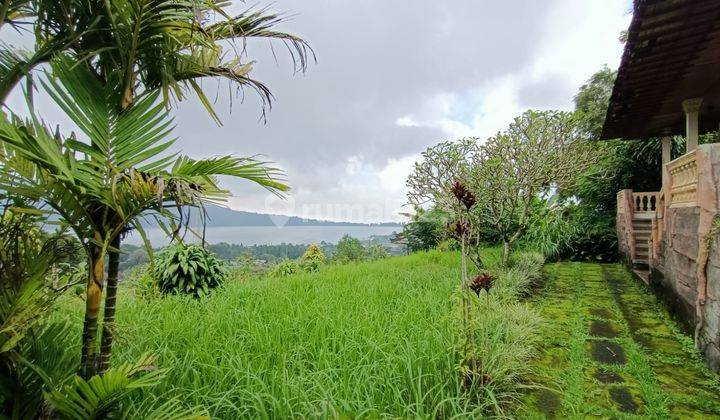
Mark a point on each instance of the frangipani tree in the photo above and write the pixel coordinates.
(101, 184)
(540, 152)
(432, 180)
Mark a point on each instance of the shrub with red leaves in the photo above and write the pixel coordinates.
(483, 281)
(462, 194)
(458, 229)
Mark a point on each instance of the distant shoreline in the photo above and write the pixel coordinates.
(271, 235)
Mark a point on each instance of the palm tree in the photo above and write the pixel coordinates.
(120, 171)
(155, 44)
(165, 44)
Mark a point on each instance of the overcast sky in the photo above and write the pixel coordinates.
(392, 78)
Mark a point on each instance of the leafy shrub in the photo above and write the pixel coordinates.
(498, 335)
(285, 268)
(34, 273)
(189, 270)
(142, 282)
(425, 230)
(595, 238)
(349, 249)
(448, 245)
(376, 252)
(550, 229)
(312, 259)
(507, 336)
(529, 262)
(246, 266)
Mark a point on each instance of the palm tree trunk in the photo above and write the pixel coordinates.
(88, 361)
(110, 299)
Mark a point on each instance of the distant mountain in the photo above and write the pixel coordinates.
(221, 216)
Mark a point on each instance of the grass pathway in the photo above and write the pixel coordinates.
(611, 351)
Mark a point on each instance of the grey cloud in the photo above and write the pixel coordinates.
(552, 91)
(377, 61)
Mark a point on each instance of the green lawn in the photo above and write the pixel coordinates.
(380, 339)
(610, 350)
(362, 339)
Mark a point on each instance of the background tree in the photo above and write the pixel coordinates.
(426, 229)
(349, 249)
(375, 252)
(159, 44)
(538, 152)
(312, 258)
(441, 165)
(619, 164)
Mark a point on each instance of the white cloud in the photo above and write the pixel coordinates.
(575, 40)
(578, 39)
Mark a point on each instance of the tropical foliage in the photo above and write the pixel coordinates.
(313, 258)
(425, 230)
(131, 50)
(349, 249)
(190, 269)
(27, 298)
(106, 396)
(165, 44)
(510, 175)
(102, 186)
(285, 268)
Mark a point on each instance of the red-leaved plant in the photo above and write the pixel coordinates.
(471, 369)
(482, 282)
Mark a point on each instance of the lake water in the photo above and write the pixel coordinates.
(270, 235)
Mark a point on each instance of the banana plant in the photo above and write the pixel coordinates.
(118, 171)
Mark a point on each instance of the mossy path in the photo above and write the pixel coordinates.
(611, 351)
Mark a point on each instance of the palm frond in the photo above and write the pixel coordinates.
(247, 168)
(103, 395)
(14, 11)
(261, 24)
(118, 139)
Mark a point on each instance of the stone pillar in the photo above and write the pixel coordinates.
(666, 157)
(692, 111)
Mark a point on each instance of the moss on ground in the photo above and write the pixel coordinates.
(612, 351)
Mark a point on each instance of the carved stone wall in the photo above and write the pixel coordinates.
(677, 273)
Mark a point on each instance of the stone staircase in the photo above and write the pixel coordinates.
(642, 231)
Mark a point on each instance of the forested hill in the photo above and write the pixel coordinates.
(221, 216)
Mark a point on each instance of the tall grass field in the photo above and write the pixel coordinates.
(370, 339)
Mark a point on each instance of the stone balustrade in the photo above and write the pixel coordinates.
(683, 180)
(645, 202)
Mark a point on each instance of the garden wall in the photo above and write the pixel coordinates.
(687, 247)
